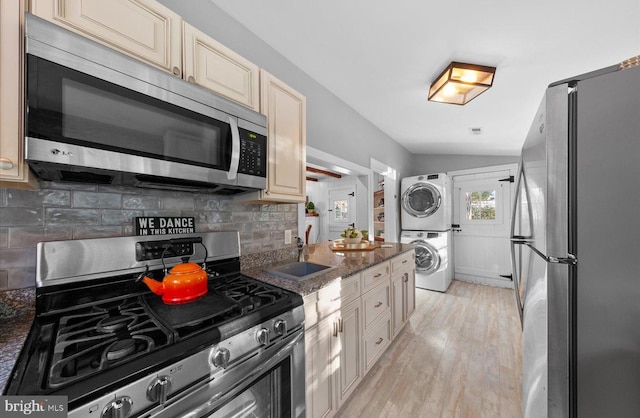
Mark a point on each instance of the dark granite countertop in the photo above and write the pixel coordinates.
(346, 264)
(17, 310)
(17, 307)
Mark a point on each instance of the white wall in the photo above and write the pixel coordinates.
(427, 164)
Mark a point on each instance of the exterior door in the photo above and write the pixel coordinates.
(481, 219)
(342, 210)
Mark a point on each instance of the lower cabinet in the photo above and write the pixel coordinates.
(320, 381)
(349, 326)
(348, 349)
(403, 296)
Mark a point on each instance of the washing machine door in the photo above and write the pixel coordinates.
(421, 200)
(427, 257)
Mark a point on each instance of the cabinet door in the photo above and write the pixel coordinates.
(351, 367)
(143, 29)
(319, 350)
(410, 292)
(397, 302)
(212, 65)
(13, 169)
(286, 111)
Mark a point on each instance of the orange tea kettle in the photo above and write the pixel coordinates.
(185, 282)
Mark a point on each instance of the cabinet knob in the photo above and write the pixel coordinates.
(6, 164)
(191, 79)
(176, 70)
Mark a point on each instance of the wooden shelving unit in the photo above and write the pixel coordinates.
(378, 215)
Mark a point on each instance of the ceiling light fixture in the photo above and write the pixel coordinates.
(459, 83)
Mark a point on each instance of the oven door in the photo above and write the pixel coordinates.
(125, 125)
(270, 384)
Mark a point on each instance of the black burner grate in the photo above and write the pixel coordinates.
(98, 337)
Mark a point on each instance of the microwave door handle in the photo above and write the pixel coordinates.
(235, 149)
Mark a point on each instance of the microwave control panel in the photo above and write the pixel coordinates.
(253, 153)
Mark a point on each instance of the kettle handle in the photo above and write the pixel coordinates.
(143, 274)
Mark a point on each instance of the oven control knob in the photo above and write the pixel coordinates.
(221, 357)
(263, 336)
(280, 327)
(159, 389)
(120, 407)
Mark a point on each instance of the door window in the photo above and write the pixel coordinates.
(481, 205)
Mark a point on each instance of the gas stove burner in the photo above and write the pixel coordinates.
(120, 349)
(251, 303)
(114, 323)
(90, 340)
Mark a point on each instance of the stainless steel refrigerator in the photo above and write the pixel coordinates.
(575, 242)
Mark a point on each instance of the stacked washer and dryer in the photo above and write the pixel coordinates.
(426, 222)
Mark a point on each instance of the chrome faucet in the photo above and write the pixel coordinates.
(300, 244)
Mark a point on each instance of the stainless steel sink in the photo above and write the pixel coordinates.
(300, 271)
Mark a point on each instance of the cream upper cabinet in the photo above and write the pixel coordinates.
(143, 29)
(14, 172)
(286, 112)
(210, 64)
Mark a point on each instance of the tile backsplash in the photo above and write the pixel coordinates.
(61, 211)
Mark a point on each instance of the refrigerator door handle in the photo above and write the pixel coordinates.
(569, 259)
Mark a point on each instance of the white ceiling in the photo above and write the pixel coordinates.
(379, 56)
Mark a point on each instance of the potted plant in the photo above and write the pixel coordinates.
(311, 207)
(351, 236)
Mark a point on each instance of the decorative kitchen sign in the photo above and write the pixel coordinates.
(164, 225)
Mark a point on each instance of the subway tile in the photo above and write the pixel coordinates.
(119, 217)
(22, 278)
(56, 216)
(261, 235)
(119, 189)
(140, 202)
(4, 237)
(276, 216)
(207, 203)
(68, 186)
(16, 258)
(96, 200)
(97, 232)
(4, 280)
(178, 203)
(21, 216)
(242, 217)
(38, 198)
(162, 213)
(21, 237)
(261, 216)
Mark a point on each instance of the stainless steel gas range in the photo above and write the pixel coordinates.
(117, 350)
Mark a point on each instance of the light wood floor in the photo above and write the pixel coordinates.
(459, 356)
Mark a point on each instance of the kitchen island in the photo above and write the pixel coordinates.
(353, 312)
(345, 263)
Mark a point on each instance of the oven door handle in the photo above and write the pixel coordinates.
(235, 148)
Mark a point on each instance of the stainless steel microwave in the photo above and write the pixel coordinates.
(98, 116)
